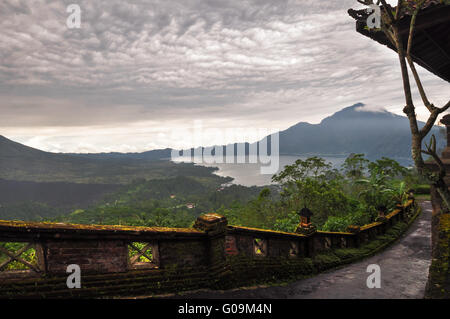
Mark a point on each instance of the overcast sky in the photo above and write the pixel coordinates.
(136, 72)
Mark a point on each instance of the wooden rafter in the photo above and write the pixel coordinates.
(432, 23)
(437, 45)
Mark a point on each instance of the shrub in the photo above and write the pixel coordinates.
(347, 253)
(325, 261)
(421, 189)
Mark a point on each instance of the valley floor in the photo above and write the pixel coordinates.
(404, 273)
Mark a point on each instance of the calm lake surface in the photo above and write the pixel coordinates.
(249, 174)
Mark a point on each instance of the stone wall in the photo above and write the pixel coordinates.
(93, 256)
(438, 285)
(106, 249)
(209, 255)
(181, 254)
(252, 242)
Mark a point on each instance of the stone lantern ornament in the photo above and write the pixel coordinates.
(305, 227)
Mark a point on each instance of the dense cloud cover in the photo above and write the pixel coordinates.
(137, 70)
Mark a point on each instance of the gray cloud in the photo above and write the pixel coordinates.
(163, 64)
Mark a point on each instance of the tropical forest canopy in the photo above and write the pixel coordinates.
(351, 195)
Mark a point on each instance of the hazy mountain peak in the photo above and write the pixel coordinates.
(359, 112)
(358, 128)
(371, 109)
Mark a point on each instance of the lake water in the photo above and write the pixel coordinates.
(249, 174)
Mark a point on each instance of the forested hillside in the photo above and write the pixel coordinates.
(22, 163)
(173, 202)
(38, 185)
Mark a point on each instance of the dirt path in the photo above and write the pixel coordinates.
(404, 273)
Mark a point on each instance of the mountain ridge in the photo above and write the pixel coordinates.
(353, 129)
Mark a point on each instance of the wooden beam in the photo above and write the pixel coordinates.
(426, 19)
(437, 45)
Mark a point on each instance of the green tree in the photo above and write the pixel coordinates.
(355, 166)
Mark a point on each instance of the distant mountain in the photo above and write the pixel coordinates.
(153, 155)
(354, 129)
(22, 163)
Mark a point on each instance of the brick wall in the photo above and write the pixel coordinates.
(93, 256)
(179, 254)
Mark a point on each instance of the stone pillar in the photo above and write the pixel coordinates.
(399, 216)
(306, 228)
(309, 231)
(382, 210)
(357, 231)
(215, 226)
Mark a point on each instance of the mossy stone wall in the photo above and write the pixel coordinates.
(93, 256)
(210, 256)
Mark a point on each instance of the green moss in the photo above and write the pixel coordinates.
(373, 244)
(326, 261)
(46, 226)
(346, 253)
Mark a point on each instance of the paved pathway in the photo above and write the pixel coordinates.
(404, 273)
